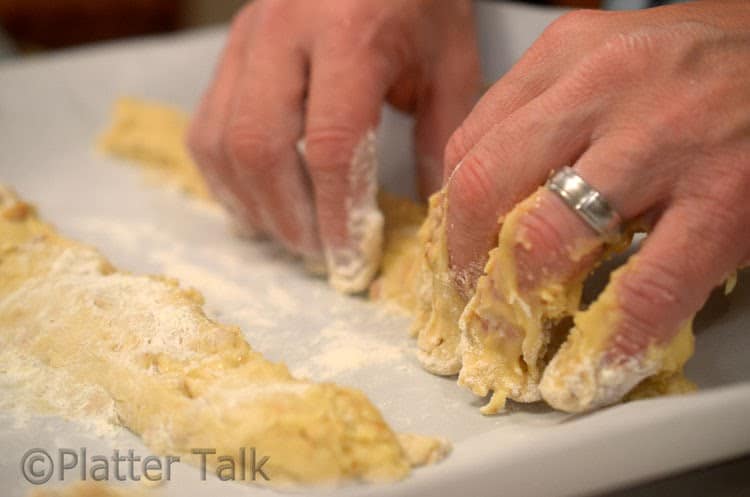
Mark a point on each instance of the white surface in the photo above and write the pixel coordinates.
(52, 108)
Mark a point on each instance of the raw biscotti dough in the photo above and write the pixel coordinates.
(154, 137)
(498, 341)
(175, 377)
(504, 336)
(439, 303)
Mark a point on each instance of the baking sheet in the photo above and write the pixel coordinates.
(52, 108)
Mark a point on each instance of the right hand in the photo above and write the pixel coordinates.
(321, 70)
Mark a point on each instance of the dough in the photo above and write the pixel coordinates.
(174, 377)
(580, 377)
(508, 336)
(501, 340)
(403, 218)
(154, 137)
(506, 332)
(439, 304)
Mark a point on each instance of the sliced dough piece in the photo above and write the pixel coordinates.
(506, 332)
(507, 336)
(175, 377)
(401, 263)
(439, 304)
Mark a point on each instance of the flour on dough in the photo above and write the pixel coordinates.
(143, 345)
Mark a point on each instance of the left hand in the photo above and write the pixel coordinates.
(652, 108)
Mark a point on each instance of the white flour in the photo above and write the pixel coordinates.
(343, 351)
(351, 268)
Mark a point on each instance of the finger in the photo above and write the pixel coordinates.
(546, 61)
(260, 138)
(443, 106)
(207, 126)
(557, 242)
(346, 94)
(640, 325)
(544, 253)
(453, 89)
(515, 310)
(507, 165)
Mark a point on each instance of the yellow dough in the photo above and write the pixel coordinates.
(506, 333)
(505, 336)
(580, 377)
(154, 136)
(403, 218)
(439, 304)
(174, 377)
(498, 341)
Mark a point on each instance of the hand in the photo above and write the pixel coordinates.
(322, 69)
(653, 109)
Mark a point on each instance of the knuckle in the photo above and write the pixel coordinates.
(569, 25)
(330, 148)
(704, 196)
(364, 34)
(630, 148)
(649, 297)
(672, 125)
(545, 237)
(731, 189)
(713, 230)
(619, 54)
(457, 147)
(471, 186)
(250, 147)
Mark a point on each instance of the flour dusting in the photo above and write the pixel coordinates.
(352, 268)
(341, 351)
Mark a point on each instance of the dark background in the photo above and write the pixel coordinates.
(36, 25)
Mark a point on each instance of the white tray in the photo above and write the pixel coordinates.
(52, 108)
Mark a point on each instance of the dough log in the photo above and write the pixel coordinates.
(176, 378)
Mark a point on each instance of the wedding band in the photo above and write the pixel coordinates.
(586, 201)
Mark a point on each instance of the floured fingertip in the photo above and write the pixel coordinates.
(588, 383)
(352, 267)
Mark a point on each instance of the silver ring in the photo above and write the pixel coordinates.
(587, 202)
